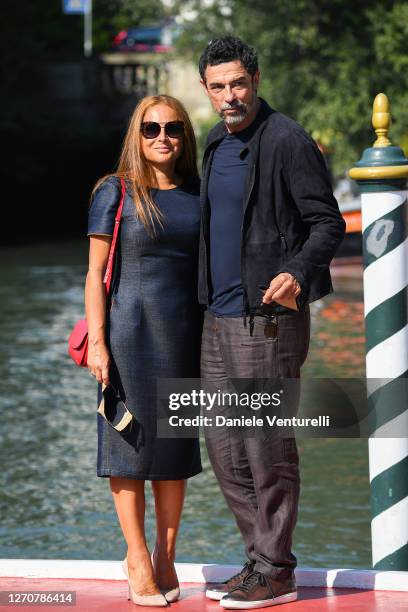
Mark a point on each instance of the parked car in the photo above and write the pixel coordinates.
(153, 38)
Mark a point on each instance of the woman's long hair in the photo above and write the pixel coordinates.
(134, 167)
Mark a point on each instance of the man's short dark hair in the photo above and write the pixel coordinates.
(228, 49)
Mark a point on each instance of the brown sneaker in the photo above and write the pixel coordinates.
(260, 591)
(218, 590)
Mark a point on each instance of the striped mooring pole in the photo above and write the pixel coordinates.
(382, 175)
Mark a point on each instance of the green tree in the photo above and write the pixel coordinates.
(322, 63)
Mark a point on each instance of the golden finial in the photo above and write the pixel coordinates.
(381, 120)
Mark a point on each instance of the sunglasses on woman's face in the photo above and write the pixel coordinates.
(172, 129)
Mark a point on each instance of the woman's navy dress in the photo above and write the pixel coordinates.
(153, 328)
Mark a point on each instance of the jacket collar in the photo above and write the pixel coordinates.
(219, 131)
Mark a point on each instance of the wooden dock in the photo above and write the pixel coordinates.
(100, 585)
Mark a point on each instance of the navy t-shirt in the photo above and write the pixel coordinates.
(226, 188)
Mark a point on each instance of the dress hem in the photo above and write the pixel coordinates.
(108, 473)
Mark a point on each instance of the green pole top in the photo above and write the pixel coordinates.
(383, 166)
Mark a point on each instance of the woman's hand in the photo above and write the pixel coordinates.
(99, 361)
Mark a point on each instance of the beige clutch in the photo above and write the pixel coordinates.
(113, 410)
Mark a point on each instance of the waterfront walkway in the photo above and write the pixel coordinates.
(111, 596)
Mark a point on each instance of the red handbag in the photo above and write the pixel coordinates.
(78, 339)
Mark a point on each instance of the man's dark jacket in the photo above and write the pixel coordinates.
(291, 219)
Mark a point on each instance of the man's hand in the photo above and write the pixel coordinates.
(282, 288)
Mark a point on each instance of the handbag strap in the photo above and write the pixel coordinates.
(109, 266)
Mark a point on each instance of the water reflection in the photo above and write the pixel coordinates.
(337, 346)
(52, 505)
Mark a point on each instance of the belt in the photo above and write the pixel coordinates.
(272, 309)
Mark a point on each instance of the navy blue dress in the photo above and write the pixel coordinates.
(153, 328)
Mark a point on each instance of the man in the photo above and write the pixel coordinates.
(270, 228)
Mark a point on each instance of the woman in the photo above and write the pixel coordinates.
(151, 329)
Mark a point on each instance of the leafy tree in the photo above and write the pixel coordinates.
(322, 63)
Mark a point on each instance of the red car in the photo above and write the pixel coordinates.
(147, 39)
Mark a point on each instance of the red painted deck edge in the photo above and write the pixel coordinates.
(111, 595)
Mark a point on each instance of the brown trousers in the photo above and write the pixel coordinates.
(258, 476)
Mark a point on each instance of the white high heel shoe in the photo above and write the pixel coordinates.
(171, 595)
(143, 600)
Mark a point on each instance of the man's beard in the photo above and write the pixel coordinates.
(243, 110)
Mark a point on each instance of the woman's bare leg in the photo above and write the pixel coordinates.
(169, 500)
(129, 498)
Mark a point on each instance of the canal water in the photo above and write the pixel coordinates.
(52, 505)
